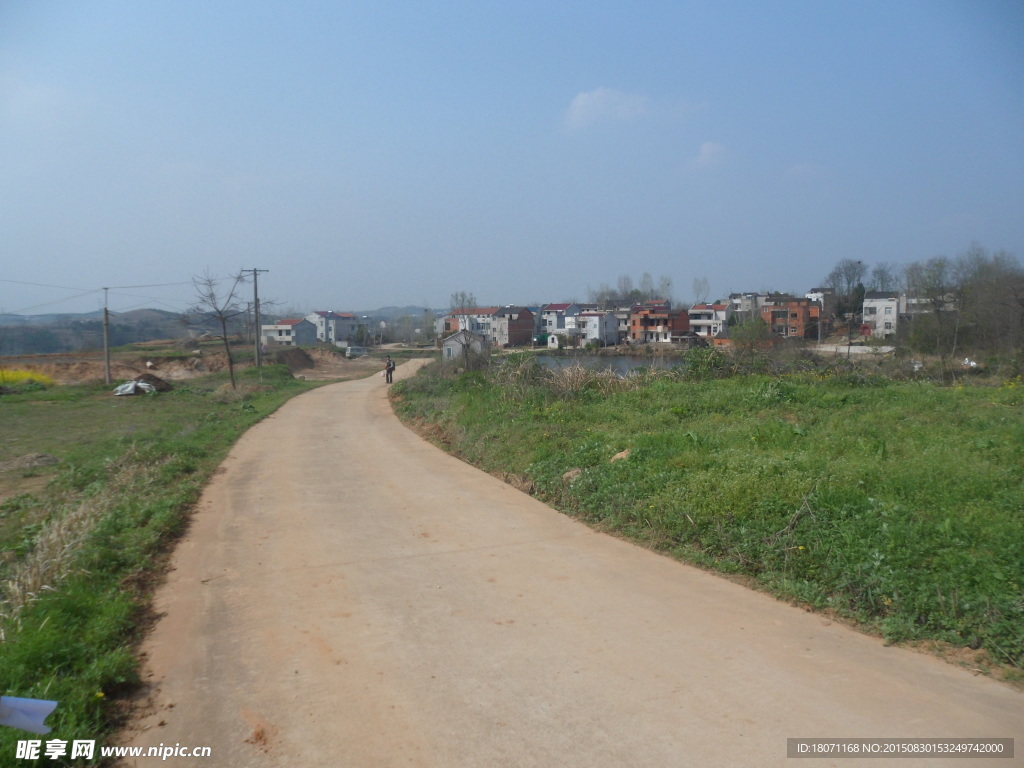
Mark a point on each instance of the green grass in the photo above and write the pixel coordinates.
(896, 504)
(130, 469)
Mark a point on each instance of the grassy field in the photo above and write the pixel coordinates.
(79, 552)
(895, 504)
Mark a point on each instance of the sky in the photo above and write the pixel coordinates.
(372, 154)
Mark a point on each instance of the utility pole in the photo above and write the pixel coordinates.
(256, 313)
(106, 338)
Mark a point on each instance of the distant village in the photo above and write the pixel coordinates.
(813, 316)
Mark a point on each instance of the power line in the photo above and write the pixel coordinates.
(50, 303)
(44, 285)
(154, 285)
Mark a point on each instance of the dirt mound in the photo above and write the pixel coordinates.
(157, 383)
(296, 359)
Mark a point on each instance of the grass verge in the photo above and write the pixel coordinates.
(894, 504)
(79, 557)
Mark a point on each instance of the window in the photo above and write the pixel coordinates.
(792, 330)
(888, 310)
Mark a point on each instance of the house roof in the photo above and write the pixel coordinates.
(556, 307)
(474, 311)
(892, 295)
(706, 307)
(290, 321)
(329, 313)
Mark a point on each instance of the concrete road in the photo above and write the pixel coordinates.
(349, 595)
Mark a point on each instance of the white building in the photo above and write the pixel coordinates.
(290, 332)
(602, 327)
(881, 312)
(339, 328)
(709, 320)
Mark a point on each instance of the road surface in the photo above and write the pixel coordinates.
(349, 595)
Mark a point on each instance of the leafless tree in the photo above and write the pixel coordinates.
(461, 300)
(701, 289)
(847, 279)
(884, 277)
(218, 302)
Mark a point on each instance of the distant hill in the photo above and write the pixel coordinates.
(43, 334)
(390, 314)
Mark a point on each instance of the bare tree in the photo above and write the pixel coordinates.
(665, 288)
(847, 280)
(884, 277)
(218, 301)
(461, 300)
(625, 286)
(701, 290)
(647, 286)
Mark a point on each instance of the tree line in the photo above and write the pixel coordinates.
(970, 303)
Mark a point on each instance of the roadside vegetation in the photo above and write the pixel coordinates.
(79, 554)
(876, 495)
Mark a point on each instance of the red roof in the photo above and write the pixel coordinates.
(290, 321)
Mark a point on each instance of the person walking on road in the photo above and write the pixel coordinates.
(389, 369)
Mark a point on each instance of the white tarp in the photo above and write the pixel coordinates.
(134, 388)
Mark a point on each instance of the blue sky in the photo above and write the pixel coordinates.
(374, 154)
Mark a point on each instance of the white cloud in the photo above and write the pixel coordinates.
(710, 154)
(603, 105)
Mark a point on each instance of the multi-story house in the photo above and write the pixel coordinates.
(339, 328)
(289, 332)
(745, 306)
(600, 327)
(512, 327)
(656, 324)
(881, 312)
(709, 320)
(622, 324)
(790, 316)
(476, 320)
(553, 316)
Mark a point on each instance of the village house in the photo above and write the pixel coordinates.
(473, 319)
(656, 323)
(338, 328)
(881, 311)
(709, 320)
(745, 306)
(289, 332)
(592, 326)
(512, 327)
(789, 316)
(553, 316)
(462, 347)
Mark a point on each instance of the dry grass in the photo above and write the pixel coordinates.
(55, 547)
